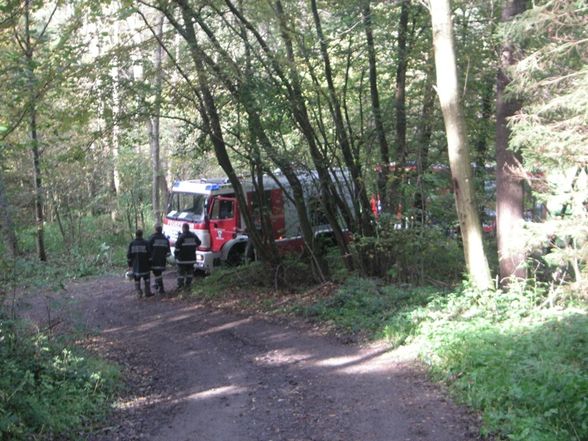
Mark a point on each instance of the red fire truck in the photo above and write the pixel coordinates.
(211, 209)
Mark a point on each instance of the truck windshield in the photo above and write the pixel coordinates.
(186, 206)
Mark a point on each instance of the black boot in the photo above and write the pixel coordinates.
(138, 288)
(148, 292)
(160, 289)
(180, 283)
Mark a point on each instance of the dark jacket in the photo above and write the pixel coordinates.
(186, 246)
(159, 245)
(138, 256)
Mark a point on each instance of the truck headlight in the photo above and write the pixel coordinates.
(199, 258)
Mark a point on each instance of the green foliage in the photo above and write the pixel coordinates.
(530, 378)
(368, 306)
(409, 255)
(229, 279)
(47, 389)
(523, 366)
(551, 80)
(99, 248)
(291, 275)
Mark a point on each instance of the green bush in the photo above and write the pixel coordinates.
(367, 305)
(409, 255)
(97, 249)
(46, 389)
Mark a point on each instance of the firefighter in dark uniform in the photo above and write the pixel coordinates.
(138, 258)
(159, 246)
(185, 254)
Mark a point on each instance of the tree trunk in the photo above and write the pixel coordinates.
(360, 200)
(35, 152)
(400, 102)
(213, 126)
(509, 186)
(6, 222)
(115, 134)
(423, 136)
(459, 156)
(153, 128)
(300, 112)
(384, 172)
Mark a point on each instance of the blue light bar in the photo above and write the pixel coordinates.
(212, 187)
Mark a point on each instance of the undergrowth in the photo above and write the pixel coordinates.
(291, 274)
(96, 249)
(522, 364)
(46, 389)
(50, 389)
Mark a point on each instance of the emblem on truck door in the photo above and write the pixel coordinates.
(219, 234)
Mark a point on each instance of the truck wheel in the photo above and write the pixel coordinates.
(235, 257)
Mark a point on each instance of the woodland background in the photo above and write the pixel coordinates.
(103, 104)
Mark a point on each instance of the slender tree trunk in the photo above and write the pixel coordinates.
(6, 222)
(424, 133)
(509, 186)
(153, 128)
(212, 122)
(361, 201)
(400, 101)
(481, 142)
(425, 128)
(395, 197)
(300, 112)
(459, 156)
(35, 152)
(384, 172)
(115, 134)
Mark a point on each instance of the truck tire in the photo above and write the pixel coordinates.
(236, 255)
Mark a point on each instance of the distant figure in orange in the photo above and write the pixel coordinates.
(374, 207)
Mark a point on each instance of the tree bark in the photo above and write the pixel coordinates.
(423, 136)
(509, 186)
(213, 126)
(115, 135)
(400, 96)
(153, 128)
(6, 222)
(361, 202)
(459, 156)
(383, 174)
(34, 140)
(395, 198)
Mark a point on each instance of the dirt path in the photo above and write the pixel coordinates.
(197, 374)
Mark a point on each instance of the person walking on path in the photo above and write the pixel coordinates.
(185, 254)
(159, 246)
(138, 258)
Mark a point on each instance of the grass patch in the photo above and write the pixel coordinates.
(48, 390)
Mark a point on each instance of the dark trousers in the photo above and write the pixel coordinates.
(185, 274)
(146, 278)
(158, 276)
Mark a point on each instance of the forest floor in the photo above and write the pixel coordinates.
(194, 372)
